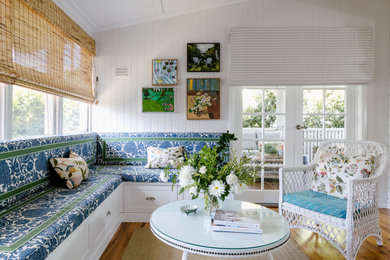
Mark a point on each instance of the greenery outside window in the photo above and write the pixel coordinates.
(75, 116)
(28, 112)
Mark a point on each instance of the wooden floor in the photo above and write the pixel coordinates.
(313, 245)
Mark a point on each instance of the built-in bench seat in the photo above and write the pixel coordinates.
(37, 216)
(35, 225)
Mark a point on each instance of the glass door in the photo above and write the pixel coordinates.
(284, 126)
(324, 117)
(263, 138)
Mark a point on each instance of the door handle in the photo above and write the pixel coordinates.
(299, 127)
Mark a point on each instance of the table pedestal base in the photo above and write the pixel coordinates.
(184, 255)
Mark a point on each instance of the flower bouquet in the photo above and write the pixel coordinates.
(211, 172)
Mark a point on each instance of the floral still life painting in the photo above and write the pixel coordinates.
(203, 99)
(158, 100)
(203, 57)
(164, 72)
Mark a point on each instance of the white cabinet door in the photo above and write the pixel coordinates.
(144, 198)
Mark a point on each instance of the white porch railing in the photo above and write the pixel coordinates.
(317, 134)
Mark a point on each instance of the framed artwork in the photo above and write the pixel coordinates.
(203, 98)
(203, 57)
(164, 72)
(158, 100)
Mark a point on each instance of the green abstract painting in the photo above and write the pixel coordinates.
(158, 100)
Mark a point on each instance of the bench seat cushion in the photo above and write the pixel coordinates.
(318, 202)
(134, 173)
(34, 226)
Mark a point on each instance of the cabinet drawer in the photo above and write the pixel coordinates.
(146, 198)
(105, 215)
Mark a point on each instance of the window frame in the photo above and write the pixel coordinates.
(53, 114)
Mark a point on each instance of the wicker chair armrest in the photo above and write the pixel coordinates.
(293, 179)
(362, 197)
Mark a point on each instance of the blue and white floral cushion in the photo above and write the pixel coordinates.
(131, 148)
(39, 223)
(24, 163)
(133, 173)
(333, 171)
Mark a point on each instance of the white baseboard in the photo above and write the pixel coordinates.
(135, 217)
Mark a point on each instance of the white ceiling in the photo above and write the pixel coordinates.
(100, 15)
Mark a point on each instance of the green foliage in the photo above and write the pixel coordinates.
(334, 103)
(223, 146)
(255, 120)
(270, 149)
(28, 113)
(219, 166)
(71, 116)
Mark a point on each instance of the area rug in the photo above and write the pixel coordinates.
(144, 245)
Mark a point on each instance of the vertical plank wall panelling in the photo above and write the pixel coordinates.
(120, 107)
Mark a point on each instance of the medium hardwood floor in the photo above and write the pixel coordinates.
(313, 245)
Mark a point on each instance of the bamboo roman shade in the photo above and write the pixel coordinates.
(292, 56)
(43, 49)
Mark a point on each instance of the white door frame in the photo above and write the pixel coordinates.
(294, 138)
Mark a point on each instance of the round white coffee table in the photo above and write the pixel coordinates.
(193, 234)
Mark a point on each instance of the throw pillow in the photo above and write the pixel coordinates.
(333, 171)
(75, 155)
(71, 170)
(162, 158)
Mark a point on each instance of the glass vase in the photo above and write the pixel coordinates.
(211, 203)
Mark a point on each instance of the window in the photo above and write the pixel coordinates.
(75, 116)
(25, 112)
(28, 112)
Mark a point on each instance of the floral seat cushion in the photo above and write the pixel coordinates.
(36, 225)
(334, 170)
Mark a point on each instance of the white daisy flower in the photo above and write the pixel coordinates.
(203, 170)
(216, 188)
(185, 175)
(231, 179)
(163, 177)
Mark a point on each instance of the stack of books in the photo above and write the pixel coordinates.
(243, 221)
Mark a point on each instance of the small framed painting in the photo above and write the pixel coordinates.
(203, 57)
(203, 99)
(164, 72)
(158, 100)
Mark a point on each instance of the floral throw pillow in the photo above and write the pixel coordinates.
(75, 155)
(71, 170)
(333, 171)
(162, 158)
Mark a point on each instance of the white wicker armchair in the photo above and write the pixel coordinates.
(362, 215)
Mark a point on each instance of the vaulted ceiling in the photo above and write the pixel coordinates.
(99, 15)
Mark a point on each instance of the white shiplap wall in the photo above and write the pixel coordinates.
(119, 107)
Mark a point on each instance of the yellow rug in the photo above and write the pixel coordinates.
(145, 246)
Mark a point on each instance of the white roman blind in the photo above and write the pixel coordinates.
(290, 56)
